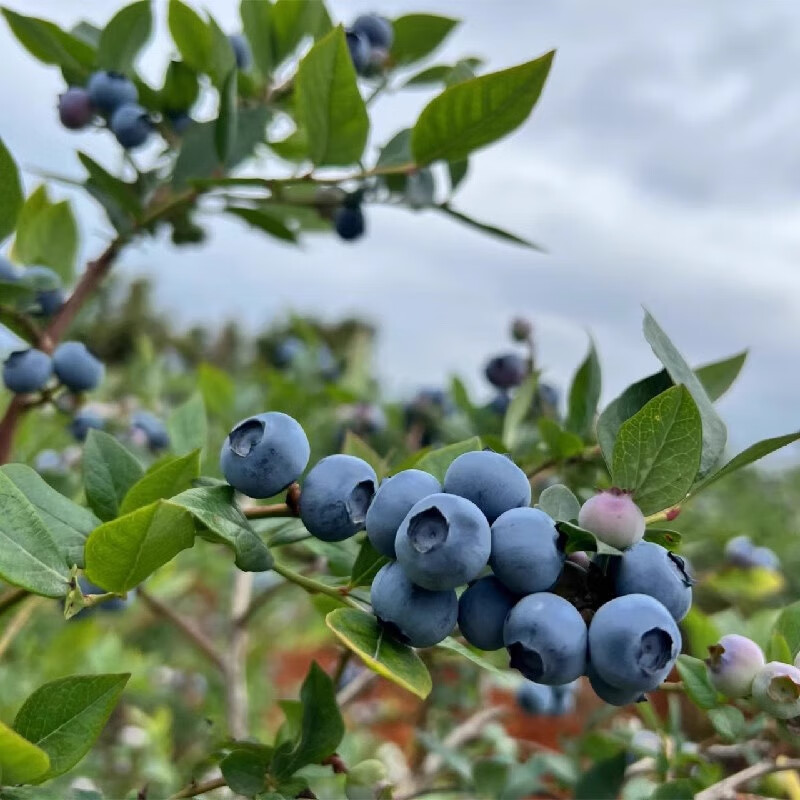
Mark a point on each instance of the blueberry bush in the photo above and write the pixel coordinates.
(240, 571)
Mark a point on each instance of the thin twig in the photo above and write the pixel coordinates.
(341, 665)
(236, 695)
(194, 789)
(589, 454)
(11, 598)
(34, 332)
(186, 627)
(18, 622)
(258, 602)
(727, 787)
(264, 512)
(347, 694)
(315, 587)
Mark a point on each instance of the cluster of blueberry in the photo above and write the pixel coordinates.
(440, 537)
(737, 668)
(43, 282)
(742, 553)
(28, 371)
(293, 352)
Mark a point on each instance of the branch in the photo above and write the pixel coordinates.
(11, 598)
(353, 689)
(315, 587)
(727, 787)
(34, 332)
(236, 696)
(585, 455)
(186, 627)
(18, 622)
(194, 789)
(264, 512)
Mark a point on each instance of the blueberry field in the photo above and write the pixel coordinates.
(240, 563)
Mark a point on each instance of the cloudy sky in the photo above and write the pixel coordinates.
(660, 168)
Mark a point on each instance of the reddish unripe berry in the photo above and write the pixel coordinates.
(613, 518)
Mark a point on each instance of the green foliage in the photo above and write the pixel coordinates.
(560, 503)
(695, 681)
(584, 395)
(20, 761)
(11, 199)
(163, 480)
(109, 471)
(437, 461)
(416, 36)
(125, 34)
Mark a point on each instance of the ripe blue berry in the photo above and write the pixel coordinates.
(482, 612)
(499, 404)
(443, 542)
(75, 108)
(27, 371)
(412, 614)
(534, 698)
(360, 50)
(84, 421)
(739, 552)
(564, 698)
(733, 664)
(546, 639)
(633, 642)
(649, 568)
(377, 29)
(613, 518)
(611, 694)
(46, 285)
(490, 480)
(776, 690)
(264, 454)
(152, 429)
(765, 558)
(393, 500)
(349, 222)
(506, 371)
(109, 90)
(180, 121)
(336, 495)
(525, 552)
(241, 51)
(77, 368)
(131, 124)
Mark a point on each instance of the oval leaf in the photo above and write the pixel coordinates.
(11, 196)
(437, 461)
(125, 34)
(418, 35)
(362, 633)
(559, 503)
(695, 682)
(109, 471)
(20, 761)
(162, 481)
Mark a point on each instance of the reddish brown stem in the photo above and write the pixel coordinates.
(8, 426)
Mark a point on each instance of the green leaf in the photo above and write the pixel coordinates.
(163, 480)
(477, 112)
(355, 446)
(188, 426)
(728, 722)
(719, 376)
(367, 564)
(699, 632)
(223, 60)
(696, 684)
(225, 129)
(257, 25)
(559, 503)
(666, 538)
(265, 220)
(584, 394)
(484, 227)
(191, 35)
(681, 789)
(120, 554)
(245, 770)
(329, 104)
(321, 728)
(518, 409)
(490, 776)
(397, 151)
(454, 646)
(362, 634)
(213, 507)
(561, 443)
(418, 35)
(458, 171)
(126, 33)
(657, 452)
(576, 538)
(29, 556)
(437, 461)
(180, 89)
(109, 470)
(124, 194)
(749, 456)
(714, 431)
(69, 524)
(65, 717)
(603, 780)
(293, 20)
(11, 197)
(778, 649)
(788, 626)
(20, 761)
(431, 75)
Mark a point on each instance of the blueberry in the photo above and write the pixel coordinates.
(733, 663)
(739, 552)
(525, 552)
(327, 364)
(499, 404)
(27, 371)
(152, 429)
(287, 351)
(633, 642)
(75, 108)
(648, 568)
(412, 614)
(534, 698)
(49, 461)
(546, 639)
(84, 421)
(131, 124)
(77, 368)
(241, 51)
(776, 690)
(180, 121)
(336, 495)
(46, 285)
(613, 518)
(564, 698)
(393, 500)
(367, 419)
(611, 694)
(765, 558)
(490, 480)
(443, 542)
(377, 29)
(349, 222)
(264, 454)
(482, 612)
(506, 371)
(109, 90)
(360, 50)
(8, 272)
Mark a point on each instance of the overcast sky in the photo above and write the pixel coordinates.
(661, 168)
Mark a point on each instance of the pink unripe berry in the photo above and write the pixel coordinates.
(776, 690)
(733, 663)
(613, 518)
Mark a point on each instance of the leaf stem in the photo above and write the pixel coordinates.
(315, 587)
(265, 512)
(194, 789)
